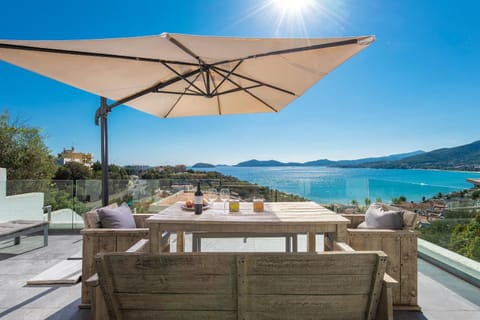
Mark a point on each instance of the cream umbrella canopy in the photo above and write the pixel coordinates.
(176, 75)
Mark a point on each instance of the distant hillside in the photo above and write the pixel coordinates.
(319, 163)
(266, 163)
(203, 165)
(324, 162)
(466, 157)
(392, 157)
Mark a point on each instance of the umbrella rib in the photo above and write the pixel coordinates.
(184, 78)
(184, 93)
(151, 89)
(91, 54)
(184, 48)
(293, 50)
(252, 95)
(238, 89)
(180, 97)
(256, 81)
(226, 76)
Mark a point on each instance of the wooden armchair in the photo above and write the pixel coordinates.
(96, 240)
(401, 248)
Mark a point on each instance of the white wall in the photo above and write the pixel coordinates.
(27, 206)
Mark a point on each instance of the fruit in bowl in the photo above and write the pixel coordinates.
(189, 204)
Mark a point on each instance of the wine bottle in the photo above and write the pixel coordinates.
(198, 200)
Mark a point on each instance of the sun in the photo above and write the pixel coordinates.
(293, 6)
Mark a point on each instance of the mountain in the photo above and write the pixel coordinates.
(203, 165)
(319, 163)
(465, 157)
(392, 157)
(266, 163)
(325, 162)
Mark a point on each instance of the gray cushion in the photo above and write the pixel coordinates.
(116, 218)
(377, 218)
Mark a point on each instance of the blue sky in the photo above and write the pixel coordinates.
(415, 88)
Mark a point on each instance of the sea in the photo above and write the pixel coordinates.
(342, 185)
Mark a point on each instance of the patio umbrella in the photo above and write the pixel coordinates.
(175, 75)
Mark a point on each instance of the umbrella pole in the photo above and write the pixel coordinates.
(102, 113)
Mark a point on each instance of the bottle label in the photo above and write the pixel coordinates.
(198, 200)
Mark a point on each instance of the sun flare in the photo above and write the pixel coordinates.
(293, 6)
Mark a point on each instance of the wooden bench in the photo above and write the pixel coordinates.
(401, 248)
(333, 285)
(17, 228)
(96, 240)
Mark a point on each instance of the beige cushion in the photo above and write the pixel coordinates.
(409, 219)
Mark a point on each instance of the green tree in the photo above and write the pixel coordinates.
(23, 152)
(367, 202)
(73, 171)
(114, 172)
(476, 195)
(465, 239)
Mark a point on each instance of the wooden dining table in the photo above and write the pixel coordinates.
(306, 217)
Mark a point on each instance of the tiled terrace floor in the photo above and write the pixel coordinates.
(441, 295)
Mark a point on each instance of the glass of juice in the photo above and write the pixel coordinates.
(258, 205)
(234, 205)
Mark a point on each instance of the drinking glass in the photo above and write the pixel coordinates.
(224, 196)
(212, 195)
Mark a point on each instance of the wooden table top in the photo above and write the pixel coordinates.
(298, 213)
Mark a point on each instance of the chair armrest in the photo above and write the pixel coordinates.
(355, 219)
(380, 232)
(140, 246)
(342, 246)
(140, 219)
(92, 281)
(104, 231)
(389, 282)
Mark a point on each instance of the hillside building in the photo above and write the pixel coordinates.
(70, 155)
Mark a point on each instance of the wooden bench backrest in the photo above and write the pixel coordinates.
(335, 285)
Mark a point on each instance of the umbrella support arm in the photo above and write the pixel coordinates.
(102, 115)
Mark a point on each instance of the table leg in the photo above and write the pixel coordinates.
(328, 238)
(311, 245)
(45, 235)
(342, 233)
(180, 241)
(288, 244)
(154, 239)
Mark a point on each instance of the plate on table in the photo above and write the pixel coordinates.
(184, 207)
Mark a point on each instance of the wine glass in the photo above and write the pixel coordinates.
(212, 195)
(224, 196)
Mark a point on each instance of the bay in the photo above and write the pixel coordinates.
(342, 185)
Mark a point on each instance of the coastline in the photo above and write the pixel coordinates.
(334, 184)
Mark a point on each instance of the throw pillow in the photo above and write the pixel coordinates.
(117, 218)
(377, 218)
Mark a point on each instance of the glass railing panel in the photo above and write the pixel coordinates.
(53, 201)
